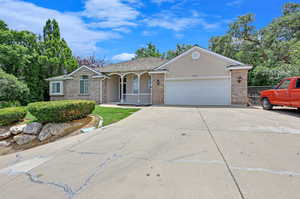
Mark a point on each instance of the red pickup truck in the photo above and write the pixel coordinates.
(286, 93)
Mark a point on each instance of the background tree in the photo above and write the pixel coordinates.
(270, 50)
(91, 61)
(180, 48)
(149, 51)
(32, 58)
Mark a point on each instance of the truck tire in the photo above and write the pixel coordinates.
(266, 104)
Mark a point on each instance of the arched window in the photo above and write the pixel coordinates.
(84, 84)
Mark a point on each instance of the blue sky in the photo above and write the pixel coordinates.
(114, 29)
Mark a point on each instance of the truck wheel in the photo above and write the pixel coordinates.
(266, 104)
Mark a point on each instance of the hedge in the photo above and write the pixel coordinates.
(61, 111)
(12, 114)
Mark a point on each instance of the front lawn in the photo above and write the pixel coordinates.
(111, 115)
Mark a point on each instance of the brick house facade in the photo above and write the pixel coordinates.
(196, 77)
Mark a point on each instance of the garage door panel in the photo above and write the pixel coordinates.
(198, 92)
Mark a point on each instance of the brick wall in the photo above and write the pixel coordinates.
(72, 89)
(239, 90)
(158, 88)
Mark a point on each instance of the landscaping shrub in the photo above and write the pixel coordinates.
(12, 89)
(6, 104)
(61, 111)
(12, 114)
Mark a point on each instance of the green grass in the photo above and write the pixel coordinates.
(111, 115)
(29, 118)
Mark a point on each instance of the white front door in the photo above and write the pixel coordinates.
(197, 92)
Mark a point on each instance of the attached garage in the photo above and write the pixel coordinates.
(200, 77)
(198, 92)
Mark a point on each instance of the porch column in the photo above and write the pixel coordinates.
(122, 82)
(139, 89)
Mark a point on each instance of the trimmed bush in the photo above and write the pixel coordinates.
(61, 111)
(12, 114)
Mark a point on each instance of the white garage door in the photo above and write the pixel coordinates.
(197, 92)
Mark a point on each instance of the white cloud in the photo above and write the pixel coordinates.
(122, 29)
(148, 33)
(123, 57)
(162, 1)
(110, 13)
(234, 3)
(170, 21)
(21, 15)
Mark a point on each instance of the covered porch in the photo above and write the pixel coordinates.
(132, 88)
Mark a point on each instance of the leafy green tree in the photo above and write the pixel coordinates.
(270, 49)
(149, 51)
(33, 58)
(3, 25)
(180, 48)
(58, 54)
(11, 89)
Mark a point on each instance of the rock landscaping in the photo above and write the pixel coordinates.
(23, 134)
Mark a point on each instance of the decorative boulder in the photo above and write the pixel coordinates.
(52, 129)
(5, 135)
(23, 138)
(46, 132)
(4, 143)
(59, 128)
(17, 129)
(33, 128)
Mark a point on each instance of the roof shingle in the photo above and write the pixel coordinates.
(139, 64)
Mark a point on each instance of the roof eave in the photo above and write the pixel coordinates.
(58, 79)
(240, 67)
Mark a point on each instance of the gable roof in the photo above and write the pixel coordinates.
(234, 62)
(59, 78)
(88, 68)
(69, 76)
(139, 64)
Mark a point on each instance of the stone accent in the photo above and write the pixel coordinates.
(72, 88)
(5, 143)
(158, 88)
(17, 129)
(33, 128)
(5, 135)
(23, 139)
(239, 90)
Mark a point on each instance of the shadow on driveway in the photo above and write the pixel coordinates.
(287, 111)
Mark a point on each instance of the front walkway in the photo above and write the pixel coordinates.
(166, 153)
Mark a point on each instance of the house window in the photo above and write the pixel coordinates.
(84, 84)
(56, 88)
(135, 84)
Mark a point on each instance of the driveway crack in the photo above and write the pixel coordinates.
(222, 155)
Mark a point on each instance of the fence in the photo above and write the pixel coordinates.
(253, 93)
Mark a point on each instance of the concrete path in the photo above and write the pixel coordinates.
(166, 153)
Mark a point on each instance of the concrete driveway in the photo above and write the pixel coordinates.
(166, 153)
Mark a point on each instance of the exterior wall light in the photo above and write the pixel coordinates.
(239, 79)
